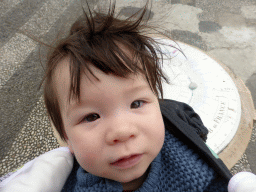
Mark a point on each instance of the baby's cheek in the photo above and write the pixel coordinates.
(105, 173)
(89, 161)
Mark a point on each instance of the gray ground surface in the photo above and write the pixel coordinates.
(224, 29)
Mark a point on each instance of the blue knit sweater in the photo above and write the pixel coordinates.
(177, 168)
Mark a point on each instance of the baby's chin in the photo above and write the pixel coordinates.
(126, 177)
(135, 183)
(135, 174)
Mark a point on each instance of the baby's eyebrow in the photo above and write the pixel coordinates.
(73, 106)
(136, 89)
(129, 91)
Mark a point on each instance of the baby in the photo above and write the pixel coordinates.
(104, 96)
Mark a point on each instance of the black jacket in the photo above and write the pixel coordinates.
(184, 123)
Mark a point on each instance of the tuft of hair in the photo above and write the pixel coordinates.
(95, 39)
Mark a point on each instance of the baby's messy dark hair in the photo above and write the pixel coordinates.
(94, 39)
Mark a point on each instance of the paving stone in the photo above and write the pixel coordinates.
(16, 17)
(213, 7)
(239, 37)
(251, 84)
(189, 38)
(23, 85)
(215, 40)
(236, 60)
(7, 5)
(129, 11)
(181, 17)
(250, 22)
(241, 165)
(184, 2)
(208, 26)
(249, 12)
(24, 148)
(24, 88)
(251, 151)
(171, 16)
(230, 20)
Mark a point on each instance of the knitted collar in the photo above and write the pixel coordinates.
(176, 168)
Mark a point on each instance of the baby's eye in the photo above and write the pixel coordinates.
(91, 117)
(137, 104)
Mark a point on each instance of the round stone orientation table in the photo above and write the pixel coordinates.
(219, 97)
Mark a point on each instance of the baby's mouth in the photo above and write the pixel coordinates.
(128, 161)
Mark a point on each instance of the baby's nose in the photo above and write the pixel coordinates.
(121, 130)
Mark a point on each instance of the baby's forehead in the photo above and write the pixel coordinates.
(62, 68)
(62, 78)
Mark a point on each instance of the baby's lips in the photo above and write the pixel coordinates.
(124, 157)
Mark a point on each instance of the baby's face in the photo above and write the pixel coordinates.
(117, 117)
